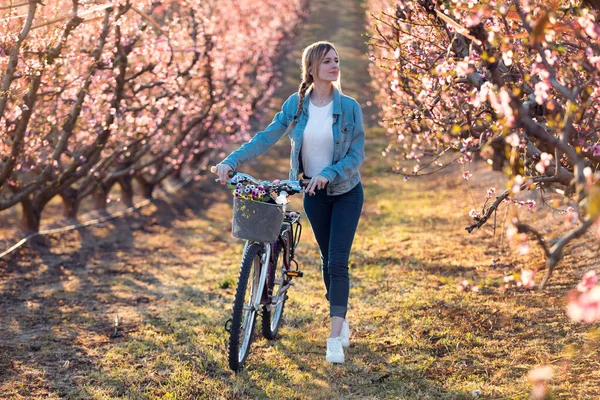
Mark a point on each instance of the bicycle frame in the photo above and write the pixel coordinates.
(293, 225)
(261, 272)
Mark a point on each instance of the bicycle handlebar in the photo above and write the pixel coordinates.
(289, 186)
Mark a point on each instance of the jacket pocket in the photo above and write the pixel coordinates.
(347, 130)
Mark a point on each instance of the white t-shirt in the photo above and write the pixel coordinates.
(317, 141)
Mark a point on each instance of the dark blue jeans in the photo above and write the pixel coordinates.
(334, 220)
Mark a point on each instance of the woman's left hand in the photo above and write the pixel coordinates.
(318, 182)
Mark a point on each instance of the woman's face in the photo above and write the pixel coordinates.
(329, 69)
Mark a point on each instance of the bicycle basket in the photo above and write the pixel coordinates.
(255, 220)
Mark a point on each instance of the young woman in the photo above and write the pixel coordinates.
(327, 136)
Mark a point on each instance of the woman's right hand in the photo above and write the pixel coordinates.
(223, 170)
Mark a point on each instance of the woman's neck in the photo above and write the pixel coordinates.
(322, 91)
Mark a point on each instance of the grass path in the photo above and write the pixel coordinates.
(169, 274)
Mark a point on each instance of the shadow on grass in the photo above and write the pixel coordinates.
(365, 373)
(61, 294)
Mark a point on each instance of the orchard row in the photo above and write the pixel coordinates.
(515, 83)
(100, 93)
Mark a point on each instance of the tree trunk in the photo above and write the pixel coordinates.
(498, 145)
(177, 173)
(126, 184)
(147, 187)
(71, 202)
(100, 196)
(30, 219)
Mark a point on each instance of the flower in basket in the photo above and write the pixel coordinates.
(250, 192)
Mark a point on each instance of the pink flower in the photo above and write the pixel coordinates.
(585, 307)
(523, 248)
(474, 213)
(539, 377)
(544, 162)
(588, 281)
(467, 175)
(540, 374)
(541, 91)
(571, 217)
(462, 68)
(511, 231)
(461, 287)
(527, 279)
(517, 182)
(513, 139)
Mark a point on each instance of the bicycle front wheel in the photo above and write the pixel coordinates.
(272, 313)
(244, 314)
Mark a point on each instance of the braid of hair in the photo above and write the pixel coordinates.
(304, 85)
(302, 92)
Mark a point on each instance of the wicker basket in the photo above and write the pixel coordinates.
(255, 220)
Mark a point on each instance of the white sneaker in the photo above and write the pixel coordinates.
(345, 334)
(335, 351)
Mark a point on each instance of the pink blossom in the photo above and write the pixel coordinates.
(461, 287)
(467, 175)
(462, 68)
(585, 307)
(490, 193)
(527, 279)
(588, 281)
(523, 248)
(511, 231)
(474, 213)
(539, 377)
(545, 160)
(540, 374)
(517, 182)
(571, 217)
(513, 139)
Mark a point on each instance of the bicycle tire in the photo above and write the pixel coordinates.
(271, 320)
(238, 352)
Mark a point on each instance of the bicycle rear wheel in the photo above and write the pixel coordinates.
(244, 314)
(271, 318)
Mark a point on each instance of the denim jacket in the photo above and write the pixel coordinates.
(348, 139)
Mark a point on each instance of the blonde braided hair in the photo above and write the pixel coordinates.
(311, 59)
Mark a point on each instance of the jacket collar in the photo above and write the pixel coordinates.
(337, 101)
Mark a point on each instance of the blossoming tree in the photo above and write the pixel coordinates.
(514, 82)
(96, 93)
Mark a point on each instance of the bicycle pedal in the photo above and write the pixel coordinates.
(294, 274)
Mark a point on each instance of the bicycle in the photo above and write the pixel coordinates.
(268, 263)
